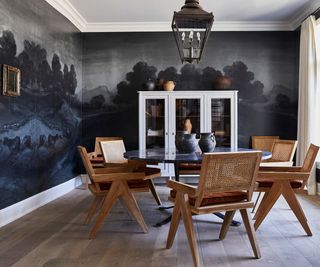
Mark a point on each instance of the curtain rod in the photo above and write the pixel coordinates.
(313, 13)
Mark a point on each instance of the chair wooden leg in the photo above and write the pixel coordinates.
(93, 208)
(187, 219)
(132, 205)
(262, 201)
(108, 202)
(251, 232)
(268, 203)
(226, 223)
(154, 192)
(295, 206)
(176, 216)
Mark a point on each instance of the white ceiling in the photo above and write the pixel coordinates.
(156, 15)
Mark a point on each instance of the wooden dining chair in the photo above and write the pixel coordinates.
(226, 184)
(107, 185)
(113, 150)
(282, 155)
(263, 142)
(285, 181)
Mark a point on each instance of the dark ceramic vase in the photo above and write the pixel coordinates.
(189, 143)
(149, 85)
(207, 142)
(179, 139)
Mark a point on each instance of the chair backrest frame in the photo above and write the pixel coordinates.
(284, 150)
(112, 151)
(310, 158)
(228, 172)
(263, 142)
(97, 147)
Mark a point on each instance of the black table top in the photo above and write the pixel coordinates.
(161, 155)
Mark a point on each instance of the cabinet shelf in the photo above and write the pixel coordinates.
(155, 132)
(154, 116)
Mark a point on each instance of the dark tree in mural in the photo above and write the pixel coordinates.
(8, 48)
(190, 77)
(27, 68)
(44, 77)
(69, 79)
(57, 76)
(208, 76)
(243, 80)
(127, 90)
(71, 85)
(169, 74)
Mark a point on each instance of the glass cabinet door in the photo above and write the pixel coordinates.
(188, 115)
(221, 121)
(155, 123)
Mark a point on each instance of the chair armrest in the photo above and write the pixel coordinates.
(109, 177)
(276, 163)
(189, 189)
(280, 169)
(282, 175)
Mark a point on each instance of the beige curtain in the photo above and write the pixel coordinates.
(309, 93)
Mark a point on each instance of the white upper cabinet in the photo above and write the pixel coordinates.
(162, 114)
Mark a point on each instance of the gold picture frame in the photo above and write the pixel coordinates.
(10, 81)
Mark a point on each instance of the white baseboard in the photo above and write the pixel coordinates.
(17, 210)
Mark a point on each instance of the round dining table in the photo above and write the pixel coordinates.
(161, 155)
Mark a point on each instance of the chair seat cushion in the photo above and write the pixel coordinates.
(216, 198)
(269, 183)
(189, 166)
(97, 159)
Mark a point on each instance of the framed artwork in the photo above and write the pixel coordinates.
(10, 81)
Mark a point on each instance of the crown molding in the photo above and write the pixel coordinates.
(128, 27)
(251, 26)
(166, 26)
(298, 18)
(68, 10)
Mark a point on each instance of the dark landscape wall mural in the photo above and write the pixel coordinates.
(76, 86)
(263, 66)
(40, 128)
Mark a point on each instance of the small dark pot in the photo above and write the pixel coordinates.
(149, 85)
(207, 142)
(189, 143)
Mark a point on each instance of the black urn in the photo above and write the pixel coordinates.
(189, 143)
(207, 142)
(149, 85)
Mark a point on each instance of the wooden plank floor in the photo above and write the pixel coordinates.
(55, 236)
